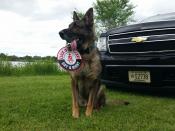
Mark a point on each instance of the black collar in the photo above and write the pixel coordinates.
(88, 50)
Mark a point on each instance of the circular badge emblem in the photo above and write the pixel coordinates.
(69, 60)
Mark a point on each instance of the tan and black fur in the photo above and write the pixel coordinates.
(85, 83)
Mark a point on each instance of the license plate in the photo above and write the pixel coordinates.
(139, 76)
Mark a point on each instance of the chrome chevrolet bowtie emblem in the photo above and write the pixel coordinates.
(139, 39)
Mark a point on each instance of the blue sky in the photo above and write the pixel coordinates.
(30, 27)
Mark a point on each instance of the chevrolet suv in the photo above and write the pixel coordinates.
(141, 54)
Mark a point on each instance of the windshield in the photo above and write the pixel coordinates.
(160, 17)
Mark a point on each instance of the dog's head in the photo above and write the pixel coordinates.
(80, 33)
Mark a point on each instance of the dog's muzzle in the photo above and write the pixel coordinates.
(64, 34)
(61, 33)
(70, 39)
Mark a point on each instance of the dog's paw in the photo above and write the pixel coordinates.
(88, 112)
(75, 114)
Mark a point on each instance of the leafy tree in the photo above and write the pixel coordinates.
(3, 56)
(28, 58)
(113, 13)
(12, 58)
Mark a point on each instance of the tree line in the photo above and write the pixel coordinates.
(25, 58)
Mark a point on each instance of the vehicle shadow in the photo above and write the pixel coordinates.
(157, 92)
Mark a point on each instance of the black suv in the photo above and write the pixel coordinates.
(141, 54)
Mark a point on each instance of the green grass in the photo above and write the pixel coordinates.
(46, 67)
(43, 103)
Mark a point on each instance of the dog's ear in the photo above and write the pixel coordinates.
(88, 17)
(75, 16)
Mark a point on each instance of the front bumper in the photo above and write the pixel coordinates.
(161, 68)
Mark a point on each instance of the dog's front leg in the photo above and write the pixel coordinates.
(75, 106)
(92, 97)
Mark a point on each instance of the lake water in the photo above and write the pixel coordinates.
(20, 63)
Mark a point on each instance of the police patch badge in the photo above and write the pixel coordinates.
(69, 60)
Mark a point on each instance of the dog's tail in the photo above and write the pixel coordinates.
(117, 102)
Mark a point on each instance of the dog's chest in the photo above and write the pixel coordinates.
(91, 67)
(86, 69)
(84, 72)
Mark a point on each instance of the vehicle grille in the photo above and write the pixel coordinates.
(157, 40)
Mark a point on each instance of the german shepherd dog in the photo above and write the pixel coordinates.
(86, 85)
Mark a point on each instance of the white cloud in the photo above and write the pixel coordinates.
(36, 33)
(31, 27)
(30, 37)
(146, 8)
(142, 8)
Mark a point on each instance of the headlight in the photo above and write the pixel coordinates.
(101, 44)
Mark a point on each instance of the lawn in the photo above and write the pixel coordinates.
(43, 103)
